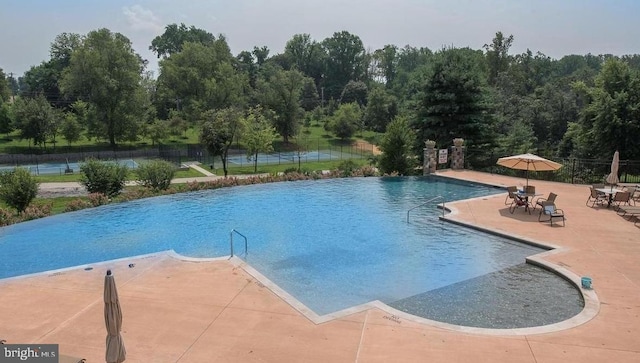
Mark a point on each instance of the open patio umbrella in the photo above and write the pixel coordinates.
(528, 162)
(612, 178)
(116, 352)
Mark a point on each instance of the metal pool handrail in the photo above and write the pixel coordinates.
(427, 202)
(231, 241)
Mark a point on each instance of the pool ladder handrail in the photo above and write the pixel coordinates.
(231, 241)
(427, 202)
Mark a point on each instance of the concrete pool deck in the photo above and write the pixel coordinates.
(215, 311)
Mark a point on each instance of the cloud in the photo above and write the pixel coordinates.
(143, 19)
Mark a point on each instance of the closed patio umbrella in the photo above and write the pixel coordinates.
(528, 162)
(116, 352)
(612, 178)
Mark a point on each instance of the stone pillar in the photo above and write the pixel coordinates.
(457, 154)
(430, 157)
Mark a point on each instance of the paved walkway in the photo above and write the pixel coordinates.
(177, 310)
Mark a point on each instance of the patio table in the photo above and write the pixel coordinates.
(610, 192)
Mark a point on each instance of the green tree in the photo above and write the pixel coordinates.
(455, 100)
(282, 93)
(6, 118)
(200, 78)
(175, 36)
(520, 139)
(177, 125)
(218, 132)
(497, 54)
(345, 121)
(71, 129)
(410, 69)
(387, 64)
(45, 78)
(155, 174)
(307, 56)
(106, 72)
(345, 62)
(5, 91)
(18, 188)
(258, 135)
(381, 109)
(157, 131)
(611, 117)
(396, 146)
(106, 178)
(355, 91)
(35, 119)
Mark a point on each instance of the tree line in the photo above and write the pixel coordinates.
(96, 86)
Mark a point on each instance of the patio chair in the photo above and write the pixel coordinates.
(551, 198)
(511, 194)
(599, 186)
(530, 189)
(632, 192)
(629, 210)
(596, 197)
(549, 209)
(519, 202)
(620, 199)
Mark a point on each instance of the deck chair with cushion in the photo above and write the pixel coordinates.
(596, 197)
(549, 209)
(551, 198)
(628, 210)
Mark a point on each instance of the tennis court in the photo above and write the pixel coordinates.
(291, 157)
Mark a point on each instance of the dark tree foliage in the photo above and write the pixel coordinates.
(455, 100)
(345, 62)
(174, 37)
(355, 91)
(396, 147)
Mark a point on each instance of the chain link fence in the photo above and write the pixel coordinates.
(62, 163)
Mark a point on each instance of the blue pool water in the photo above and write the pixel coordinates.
(60, 168)
(332, 243)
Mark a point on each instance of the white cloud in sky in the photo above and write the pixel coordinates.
(142, 19)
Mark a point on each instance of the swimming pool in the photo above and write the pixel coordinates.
(61, 168)
(332, 244)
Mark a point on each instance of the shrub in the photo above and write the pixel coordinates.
(37, 211)
(6, 217)
(103, 177)
(77, 204)
(348, 167)
(18, 188)
(156, 174)
(98, 199)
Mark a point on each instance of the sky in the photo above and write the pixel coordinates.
(555, 28)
